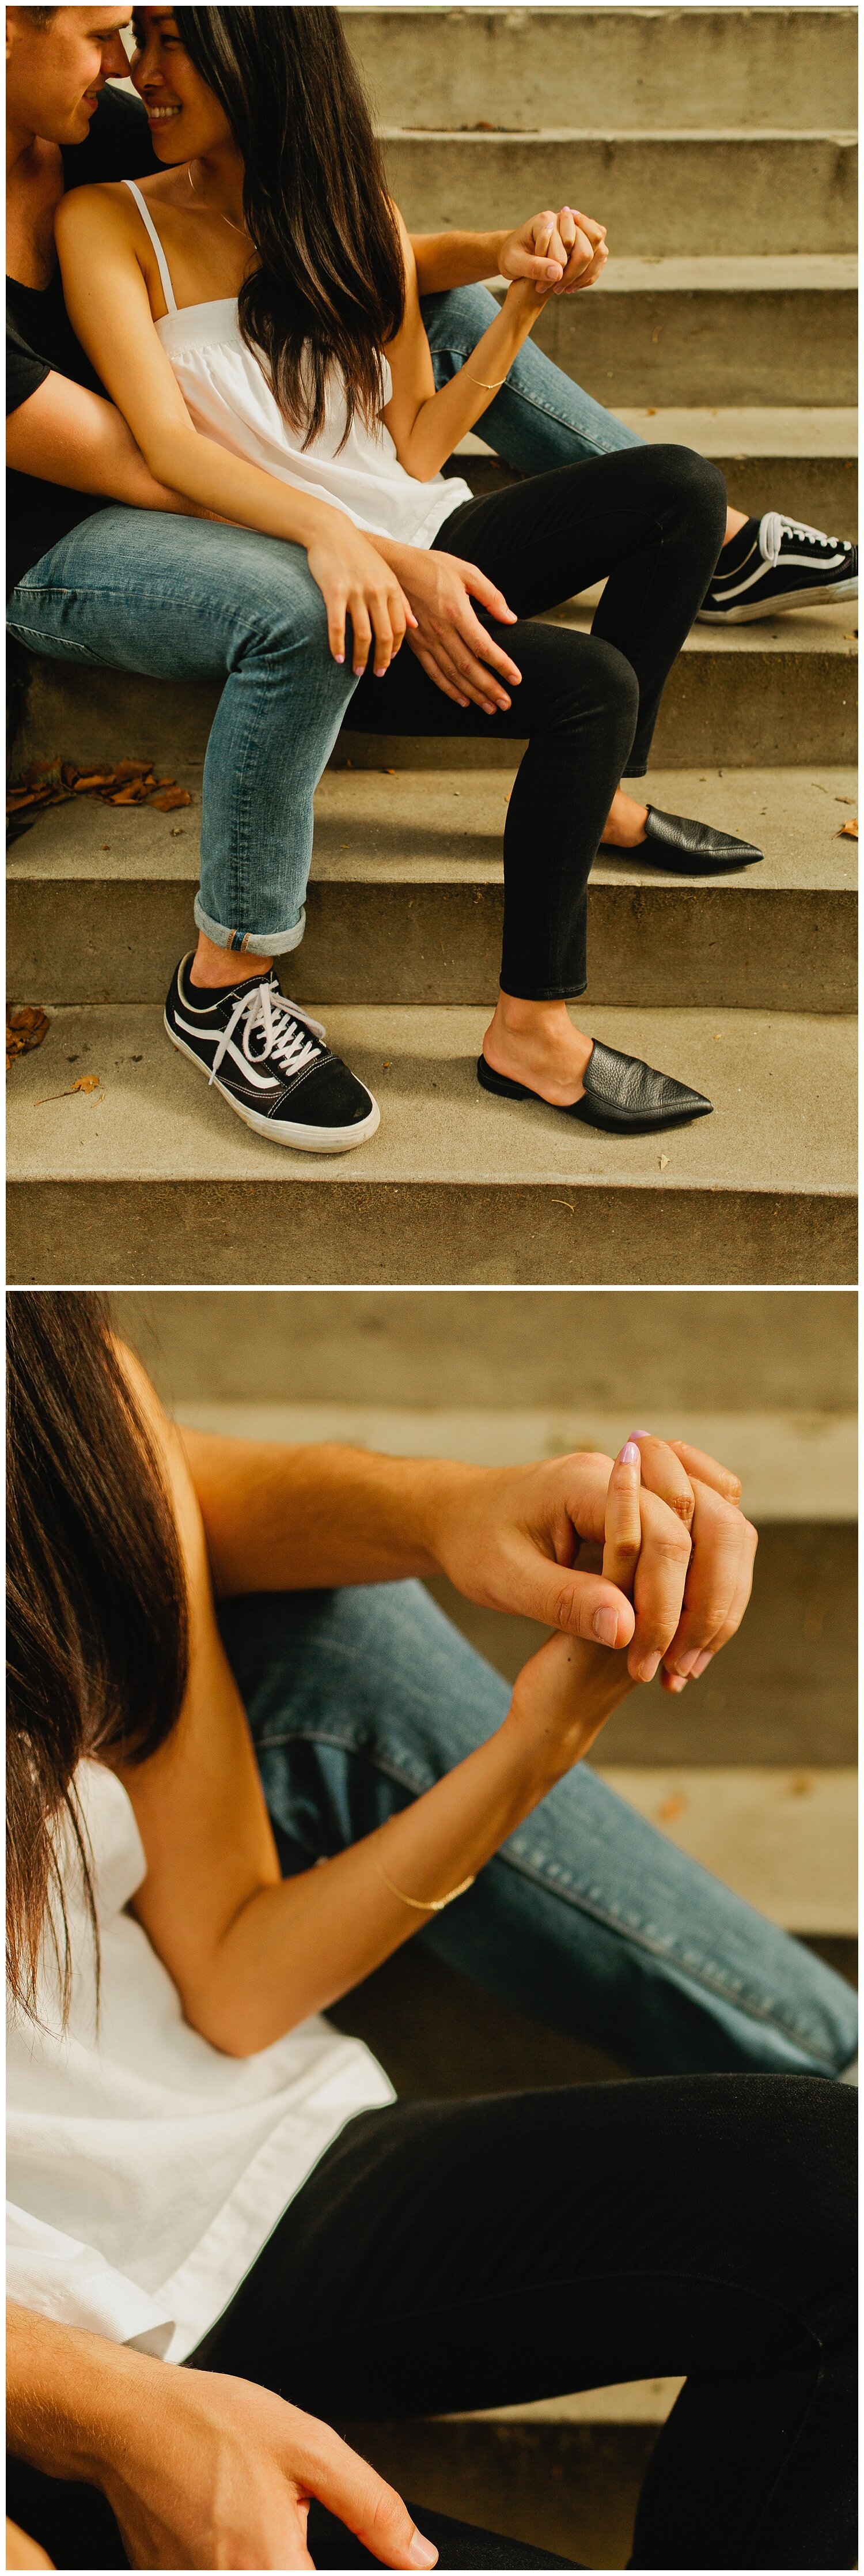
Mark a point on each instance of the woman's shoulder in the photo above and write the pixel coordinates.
(104, 206)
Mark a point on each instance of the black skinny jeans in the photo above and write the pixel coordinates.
(652, 519)
(457, 2255)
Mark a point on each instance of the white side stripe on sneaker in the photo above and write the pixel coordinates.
(291, 1038)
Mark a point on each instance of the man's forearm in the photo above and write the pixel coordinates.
(69, 2394)
(280, 1519)
(445, 260)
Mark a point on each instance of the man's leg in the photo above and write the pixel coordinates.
(541, 419)
(588, 1919)
(183, 599)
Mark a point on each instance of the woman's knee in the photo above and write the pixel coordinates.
(680, 474)
(615, 687)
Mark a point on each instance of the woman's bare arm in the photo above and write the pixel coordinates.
(251, 1954)
(425, 426)
(109, 307)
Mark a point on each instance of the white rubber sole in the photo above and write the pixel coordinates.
(810, 598)
(305, 1140)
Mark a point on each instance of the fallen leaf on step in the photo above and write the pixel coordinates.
(671, 1809)
(25, 1029)
(848, 831)
(663, 1162)
(651, 413)
(171, 796)
(86, 1082)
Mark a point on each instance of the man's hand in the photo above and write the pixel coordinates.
(231, 2482)
(531, 1539)
(451, 645)
(558, 253)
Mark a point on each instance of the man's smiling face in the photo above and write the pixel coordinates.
(56, 64)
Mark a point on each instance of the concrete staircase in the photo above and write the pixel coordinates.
(764, 1748)
(691, 336)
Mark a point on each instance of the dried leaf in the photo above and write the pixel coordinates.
(25, 1029)
(131, 769)
(671, 1809)
(131, 795)
(848, 831)
(171, 797)
(86, 780)
(86, 1082)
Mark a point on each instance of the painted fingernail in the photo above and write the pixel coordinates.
(685, 1664)
(642, 1434)
(605, 1626)
(701, 1665)
(645, 1671)
(673, 1683)
(629, 1455)
(422, 2553)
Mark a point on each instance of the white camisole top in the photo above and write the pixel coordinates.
(145, 2170)
(227, 395)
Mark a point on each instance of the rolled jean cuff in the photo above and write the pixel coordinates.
(250, 943)
(521, 992)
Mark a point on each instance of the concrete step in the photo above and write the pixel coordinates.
(710, 330)
(542, 1369)
(617, 67)
(738, 697)
(742, 698)
(784, 1840)
(804, 462)
(150, 1178)
(569, 2488)
(406, 898)
(660, 194)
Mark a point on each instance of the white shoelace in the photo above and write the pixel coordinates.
(775, 526)
(291, 1036)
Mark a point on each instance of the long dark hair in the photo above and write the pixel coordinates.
(97, 1631)
(330, 288)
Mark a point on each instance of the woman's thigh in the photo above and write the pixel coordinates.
(471, 2254)
(545, 539)
(174, 597)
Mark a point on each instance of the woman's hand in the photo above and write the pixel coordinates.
(568, 1690)
(221, 2473)
(355, 581)
(21, 2551)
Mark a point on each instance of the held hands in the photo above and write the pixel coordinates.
(534, 1539)
(559, 254)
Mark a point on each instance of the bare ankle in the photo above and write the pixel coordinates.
(212, 966)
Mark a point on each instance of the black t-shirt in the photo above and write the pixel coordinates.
(40, 339)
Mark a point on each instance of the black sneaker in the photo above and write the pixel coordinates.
(773, 563)
(272, 1062)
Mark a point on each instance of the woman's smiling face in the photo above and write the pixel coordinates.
(185, 119)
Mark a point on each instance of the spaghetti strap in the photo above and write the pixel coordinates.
(161, 261)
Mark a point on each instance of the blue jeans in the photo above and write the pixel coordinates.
(588, 1919)
(181, 599)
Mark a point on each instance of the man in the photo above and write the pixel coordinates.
(153, 589)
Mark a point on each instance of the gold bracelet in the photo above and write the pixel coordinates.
(481, 381)
(421, 1905)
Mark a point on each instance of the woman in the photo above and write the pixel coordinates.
(206, 2176)
(254, 313)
